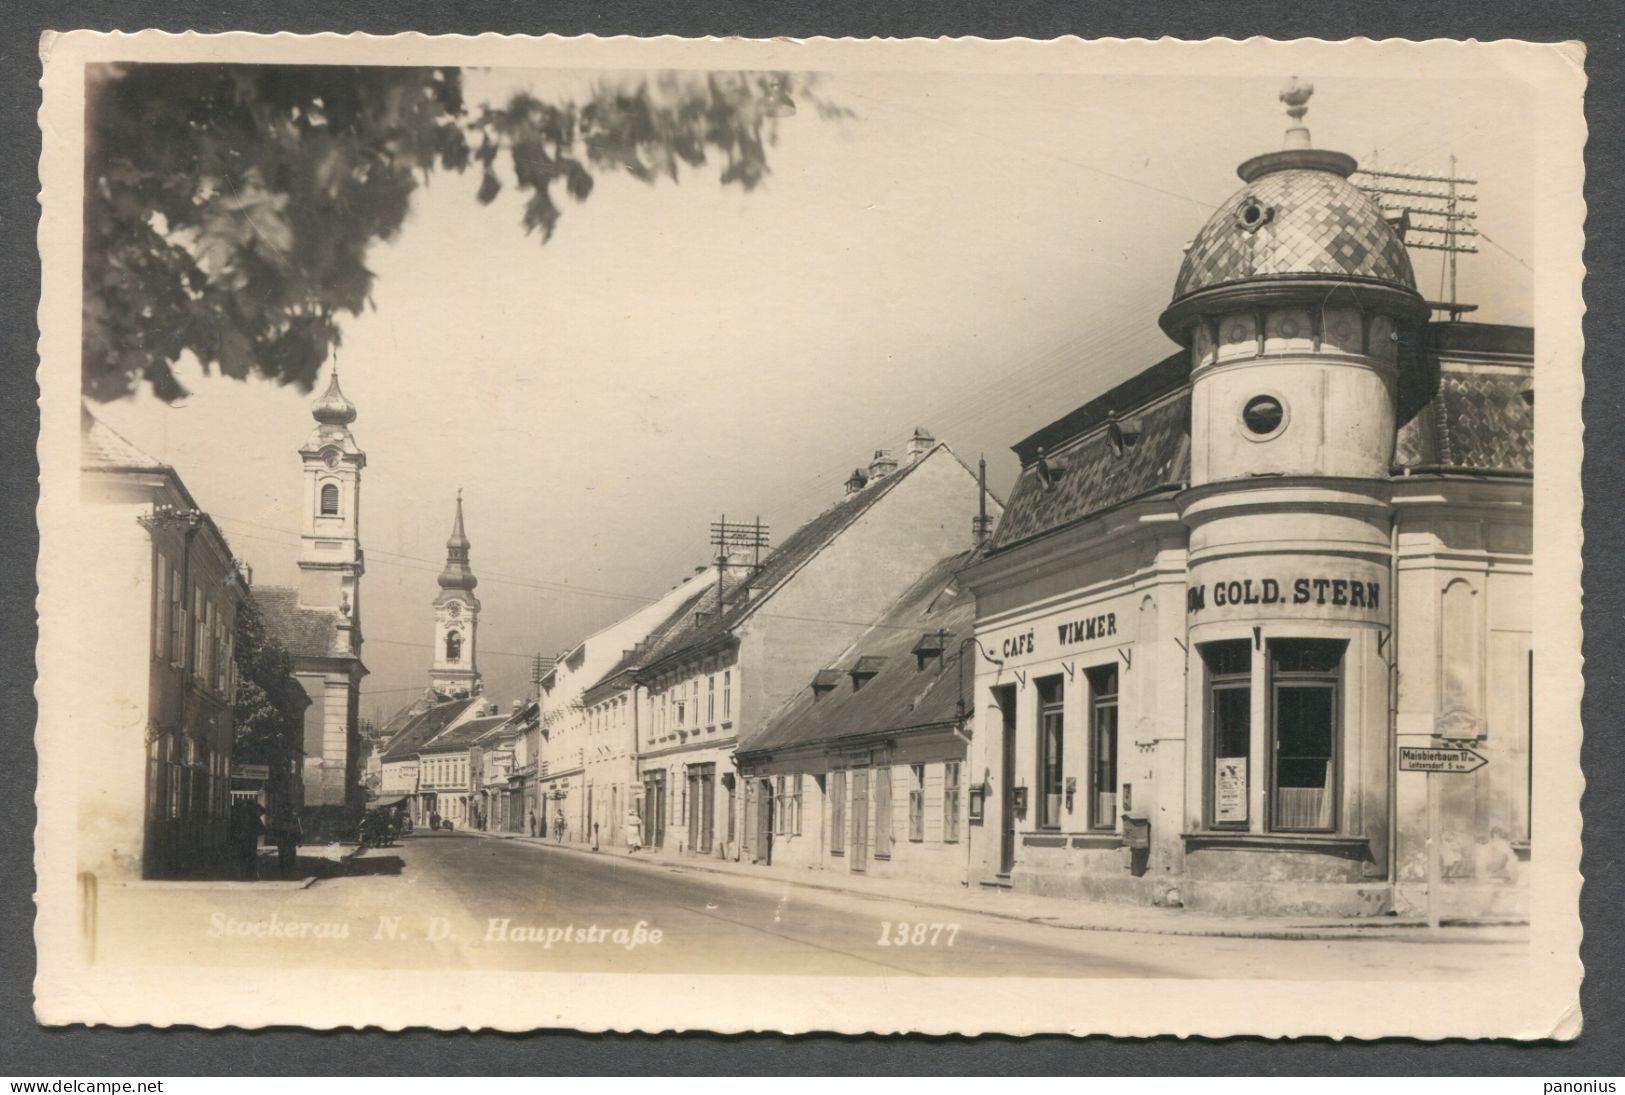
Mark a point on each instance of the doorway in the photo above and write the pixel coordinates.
(860, 819)
(654, 809)
(701, 807)
(1005, 697)
(764, 822)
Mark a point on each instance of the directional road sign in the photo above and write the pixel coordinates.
(1419, 759)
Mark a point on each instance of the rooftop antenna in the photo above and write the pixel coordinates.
(726, 534)
(1435, 206)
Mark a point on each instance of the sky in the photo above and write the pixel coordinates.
(977, 254)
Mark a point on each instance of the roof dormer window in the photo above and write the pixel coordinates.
(930, 646)
(864, 670)
(825, 680)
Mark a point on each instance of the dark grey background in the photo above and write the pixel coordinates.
(26, 1049)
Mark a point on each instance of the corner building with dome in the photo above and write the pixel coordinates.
(1236, 603)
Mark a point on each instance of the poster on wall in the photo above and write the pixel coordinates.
(1229, 790)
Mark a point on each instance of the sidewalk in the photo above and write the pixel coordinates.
(314, 862)
(1058, 912)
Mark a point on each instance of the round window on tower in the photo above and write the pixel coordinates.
(1253, 214)
(1264, 416)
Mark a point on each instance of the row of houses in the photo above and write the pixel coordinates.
(647, 718)
(1235, 610)
(1195, 659)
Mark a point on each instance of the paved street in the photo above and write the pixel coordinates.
(456, 900)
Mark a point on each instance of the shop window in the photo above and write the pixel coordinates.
(1304, 731)
(1051, 727)
(1103, 744)
(950, 802)
(916, 802)
(781, 807)
(330, 500)
(837, 811)
(1229, 731)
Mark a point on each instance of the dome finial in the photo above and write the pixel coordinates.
(333, 408)
(1296, 95)
(457, 574)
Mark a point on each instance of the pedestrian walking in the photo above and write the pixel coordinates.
(434, 820)
(248, 826)
(288, 835)
(558, 827)
(533, 823)
(634, 831)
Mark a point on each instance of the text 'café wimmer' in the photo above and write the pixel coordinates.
(1226, 594)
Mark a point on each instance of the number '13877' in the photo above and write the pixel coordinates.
(917, 933)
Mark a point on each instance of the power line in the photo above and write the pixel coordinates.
(1045, 153)
(1485, 236)
(430, 646)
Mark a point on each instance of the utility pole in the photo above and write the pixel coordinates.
(1439, 217)
(726, 535)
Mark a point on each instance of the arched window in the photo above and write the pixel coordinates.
(330, 499)
(454, 646)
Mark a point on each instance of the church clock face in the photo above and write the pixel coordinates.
(330, 458)
(455, 610)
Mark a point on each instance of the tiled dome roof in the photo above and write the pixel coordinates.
(1306, 221)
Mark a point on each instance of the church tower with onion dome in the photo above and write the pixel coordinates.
(456, 618)
(330, 557)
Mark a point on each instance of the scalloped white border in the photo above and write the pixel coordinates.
(1544, 1005)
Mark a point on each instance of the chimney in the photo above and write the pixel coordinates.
(246, 570)
(518, 706)
(882, 465)
(980, 525)
(857, 481)
(921, 443)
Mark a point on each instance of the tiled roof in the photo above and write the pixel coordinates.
(799, 547)
(1168, 375)
(461, 736)
(1478, 417)
(410, 741)
(1090, 474)
(1321, 224)
(101, 446)
(300, 630)
(1476, 420)
(903, 693)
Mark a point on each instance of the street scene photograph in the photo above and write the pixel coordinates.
(710, 536)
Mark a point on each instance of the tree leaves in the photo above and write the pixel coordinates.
(269, 704)
(229, 208)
